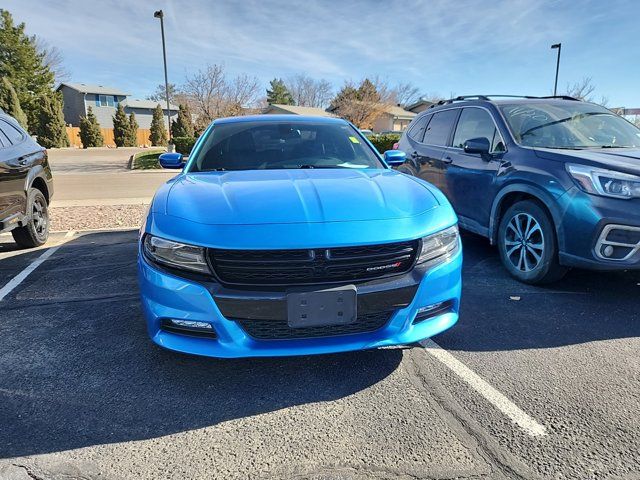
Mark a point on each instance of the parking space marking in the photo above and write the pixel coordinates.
(18, 279)
(493, 396)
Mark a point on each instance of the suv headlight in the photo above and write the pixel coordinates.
(439, 246)
(607, 183)
(175, 254)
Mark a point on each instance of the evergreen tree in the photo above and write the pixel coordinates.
(51, 131)
(90, 133)
(279, 93)
(183, 125)
(23, 65)
(158, 135)
(132, 139)
(120, 127)
(9, 102)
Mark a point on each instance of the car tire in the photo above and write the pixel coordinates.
(407, 169)
(36, 231)
(528, 244)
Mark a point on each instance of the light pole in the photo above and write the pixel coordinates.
(559, 47)
(159, 14)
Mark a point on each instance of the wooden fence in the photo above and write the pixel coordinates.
(142, 137)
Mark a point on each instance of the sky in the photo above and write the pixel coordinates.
(443, 47)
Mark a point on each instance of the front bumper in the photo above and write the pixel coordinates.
(589, 223)
(167, 296)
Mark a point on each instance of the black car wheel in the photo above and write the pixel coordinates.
(36, 231)
(528, 245)
(405, 168)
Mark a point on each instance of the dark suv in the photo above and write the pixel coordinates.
(26, 185)
(553, 181)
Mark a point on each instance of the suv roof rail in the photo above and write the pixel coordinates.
(461, 98)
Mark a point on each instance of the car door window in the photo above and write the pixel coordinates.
(4, 141)
(416, 132)
(477, 123)
(14, 135)
(439, 128)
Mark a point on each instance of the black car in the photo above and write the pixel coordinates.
(26, 185)
(553, 181)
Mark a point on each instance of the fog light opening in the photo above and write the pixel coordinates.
(430, 311)
(188, 327)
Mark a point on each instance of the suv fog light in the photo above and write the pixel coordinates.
(607, 251)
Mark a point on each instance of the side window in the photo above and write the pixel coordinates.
(439, 128)
(14, 135)
(476, 123)
(417, 129)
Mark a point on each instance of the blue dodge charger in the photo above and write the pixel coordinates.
(290, 235)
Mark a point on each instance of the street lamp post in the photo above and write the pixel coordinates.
(557, 46)
(160, 14)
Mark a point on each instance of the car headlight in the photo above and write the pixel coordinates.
(608, 183)
(175, 254)
(439, 246)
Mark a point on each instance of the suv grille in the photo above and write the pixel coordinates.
(280, 330)
(298, 267)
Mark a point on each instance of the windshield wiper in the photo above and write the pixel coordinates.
(320, 166)
(562, 120)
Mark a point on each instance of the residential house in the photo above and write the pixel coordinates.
(296, 110)
(77, 97)
(394, 119)
(419, 106)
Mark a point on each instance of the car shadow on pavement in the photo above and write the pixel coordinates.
(499, 313)
(77, 368)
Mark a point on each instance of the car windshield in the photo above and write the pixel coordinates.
(266, 145)
(572, 125)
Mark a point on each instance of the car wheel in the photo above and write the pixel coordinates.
(528, 245)
(404, 168)
(36, 231)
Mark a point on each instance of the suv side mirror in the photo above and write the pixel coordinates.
(171, 160)
(393, 158)
(479, 145)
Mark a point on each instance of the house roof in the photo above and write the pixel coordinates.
(399, 112)
(422, 101)
(296, 110)
(146, 104)
(88, 88)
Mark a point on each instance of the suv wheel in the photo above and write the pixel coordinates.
(36, 232)
(405, 168)
(528, 246)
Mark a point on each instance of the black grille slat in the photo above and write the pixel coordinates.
(313, 266)
(280, 330)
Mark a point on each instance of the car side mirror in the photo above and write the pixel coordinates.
(480, 145)
(171, 160)
(393, 158)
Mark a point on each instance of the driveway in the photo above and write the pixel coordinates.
(91, 160)
(532, 383)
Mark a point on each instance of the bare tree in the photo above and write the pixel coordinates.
(581, 90)
(211, 95)
(308, 92)
(160, 93)
(52, 58)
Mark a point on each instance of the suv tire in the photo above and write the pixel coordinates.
(528, 244)
(407, 169)
(36, 231)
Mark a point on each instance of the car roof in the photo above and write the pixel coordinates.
(268, 118)
(503, 100)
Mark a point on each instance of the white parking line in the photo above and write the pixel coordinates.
(493, 396)
(18, 279)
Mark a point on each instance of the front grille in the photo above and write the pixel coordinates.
(280, 330)
(313, 266)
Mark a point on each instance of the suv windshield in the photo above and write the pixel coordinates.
(266, 145)
(572, 125)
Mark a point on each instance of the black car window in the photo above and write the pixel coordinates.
(14, 135)
(416, 132)
(439, 127)
(477, 123)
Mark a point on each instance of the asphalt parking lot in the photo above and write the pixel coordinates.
(532, 383)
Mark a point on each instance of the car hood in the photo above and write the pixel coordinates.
(256, 197)
(621, 159)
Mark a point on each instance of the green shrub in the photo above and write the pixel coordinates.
(158, 135)
(384, 142)
(90, 133)
(184, 144)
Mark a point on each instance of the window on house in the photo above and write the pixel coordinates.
(106, 101)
